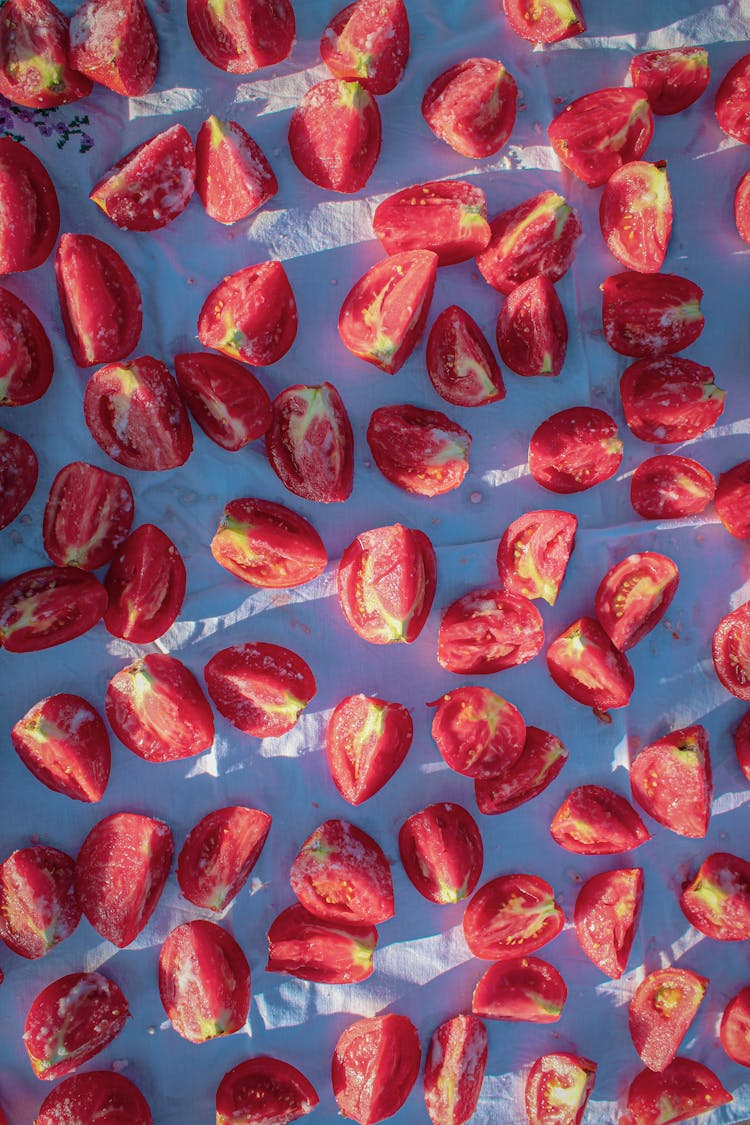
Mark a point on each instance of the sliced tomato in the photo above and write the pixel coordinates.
(742, 744)
(607, 913)
(684, 1090)
(232, 176)
(219, 853)
(70, 1021)
(368, 41)
(545, 21)
(634, 595)
(717, 900)
(26, 361)
(367, 740)
(150, 186)
(384, 314)
(593, 820)
(49, 606)
(88, 515)
(460, 362)
(732, 500)
(448, 217)
(488, 630)
(660, 1012)
(121, 870)
(268, 545)
(100, 300)
(542, 758)
(145, 586)
(651, 314)
(421, 451)
(29, 211)
(386, 584)
(598, 133)
(100, 1095)
(136, 414)
(251, 315)
(156, 708)
(558, 1088)
(259, 688)
(671, 780)
(532, 332)
(575, 449)
(732, 103)
(478, 733)
(64, 742)
(317, 949)
(115, 44)
(735, 1028)
(670, 399)
(310, 444)
(669, 487)
(673, 79)
(442, 852)
(537, 237)
(261, 1090)
(229, 404)
(511, 916)
(635, 215)
(334, 135)
(19, 471)
(742, 208)
(38, 904)
(35, 69)
(534, 553)
(525, 988)
(454, 1069)
(375, 1064)
(472, 107)
(731, 651)
(341, 874)
(204, 981)
(242, 37)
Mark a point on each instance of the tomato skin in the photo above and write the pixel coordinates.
(454, 1069)
(534, 551)
(26, 361)
(341, 874)
(525, 988)
(263, 1089)
(532, 332)
(448, 217)
(219, 853)
(542, 758)
(19, 472)
(145, 585)
(374, 1067)
(634, 595)
(671, 781)
(386, 584)
(204, 981)
(87, 516)
(421, 451)
(472, 107)
(478, 733)
(742, 744)
(35, 69)
(310, 444)
(649, 315)
(318, 949)
(670, 487)
(742, 208)
(730, 651)
(115, 45)
(717, 900)
(70, 1021)
(732, 500)
(607, 912)
(335, 135)
(660, 1012)
(99, 1095)
(593, 820)
(63, 741)
(442, 852)
(575, 449)
(488, 630)
(536, 237)
(368, 42)
(28, 195)
(232, 175)
(733, 101)
(229, 404)
(367, 740)
(460, 362)
(734, 1031)
(585, 664)
(38, 904)
(150, 186)
(251, 315)
(259, 688)
(48, 606)
(246, 36)
(511, 916)
(672, 79)
(635, 215)
(268, 545)
(670, 399)
(546, 22)
(550, 1086)
(685, 1089)
(599, 132)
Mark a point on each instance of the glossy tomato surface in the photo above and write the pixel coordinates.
(367, 739)
(670, 487)
(575, 449)
(478, 733)
(232, 176)
(634, 595)
(648, 315)
(38, 903)
(525, 988)
(594, 820)
(263, 1089)
(472, 106)
(670, 399)
(342, 874)
(461, 365)
(70, 1021)
(635, 215)
(672, 79)
(684, 1090)
(442, 852)
(730, 649)
(448, 217)
(488, 630)
(732, 500)
(251, 315)
(150, 186)
(88, 515)
(35, 70)
(259, 688)
(534, 553)
(219, 853)
(558, 1088)
(115, 44)
(49, 606)
(607, 913)
(310, 444)
(19, 471)
(229, 404)
(244, 37)
(319, 949)
(537, 237)
(511, 916)
(532, 332)
(661, 1011)
(204, 981)
(268, 545)
(540, 761)
(375, 1064)
(368, 42)
(65, 744)
(548, 21)
(145, 586)
(454, 1069)
(597, 133)
(735, 1028)
(671, 780)
(99, 1095)
(421, 451)
(334, 135)
(717, 900)
(587, 666)
(732, 104)
(26, 360)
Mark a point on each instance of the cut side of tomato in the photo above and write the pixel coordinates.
(204, 981)
(673, 79)
(545, 21)
(367, 740)
(448, 217)
(538, 237)
(421, 451)
(731, 651)
(542, 758)
(648, 315)
(732, 105)
(558, 1088)
(488, 630)
(454, 1069)
(100, 1095)
(48, 606)
(671, 780)
(317, 949)
(442, 852)
(742, 208)
(585, 664)
(661, 1011)
(88, 515)
(26, 361)
(242, 37)
(64, 742)
(334, 135)
(669, 487)
(251, 315)
(35, 69)
(525, 988)
(534, 553)
(375, 1065)
(478, 733)
(38, 904)
(268, 545)
(472, 107)
(593, 820)
(115, 44)
(732, 500)
(150, 186)
(607, 912)
(574, 450)
(145, 585)
(598, 133)
(70, 1021)
(460, 362)
(219, 853)
(634, 595)
(368, 42)
(532, 332)
(341, 874)
(30, 212)
(259, 688)
(511, 916)
(635, 215)
(19, 472)
(310, 444)
(717, 900)
(684, 1090)
(735, 1028)
(232, 175)
(264, 1089)
(226, 400)
(742, 744)
(670, 399)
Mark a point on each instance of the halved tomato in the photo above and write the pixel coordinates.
(204, 981)
(374, 1066)
(318, 949)
(607, 912)
(660, 1012)
(366, 741)
(145, 585)
(70, 1021)
(87, 516)
(421, 451)
(684, 1090)
(731, 651)
(635, 215)
(511, 916)
(448, 217)
(671, 780)
(384, 314)
(532, 332)
(310, 444)
(598, 133)
(150, 186)
(735, 1028)
(454, 1069)
(242, 37)
(38, 904)
(634, 595)
(534, 552)
(732, 103)
(19, 472)
(26, 361)
(442, 852)
(64, 742)
(542, 758)
(478, 733)
(670, 399)
(251, 315)
(29, 211)
(742, 744)
(49, 606)
(575, 449)
(334, 135)
(525, 988)
(717, 900)
(587, 666)
(229, 404)
(669, 487)
(114, 43)
(545, 21)
(100, 1095)
(35, 69)
(536, 237)
(263, 1089)
(472, 107)
(341, 874)
(232, 175)
(219, 853)
(488, 630)
(558, 1088)
(259, 688)
(732, 500)
(460, 362)
(268, 545)
(650, 314)
(593, 820)
(368, 41)
(742, 208)
(672, 79)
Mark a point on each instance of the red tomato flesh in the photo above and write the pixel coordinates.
(574, 450)
(598, 133)
(511, 916)
(368, 41)
(442, 852)
(593, 820)
(317, 949)
(310, 444)
(64, 742)
(607, 912)
(259, 688)
(673, 79)
(648, 315)
(145, 585)
(334, 135)
(268, 545)
(99, 1095)
(669, 487)
(730, 649)
(558, 1088)
(488, 630)
(732, 500)
(534, 552)
(35, 69)
(88, 515)
(542, 758)
(742, 208)
(342, 875)
(525, 988)
(670, 399)
(460, 362)
(29, 211)
(232, 176)
(263, 1089)
(717, 900)
(685, 1089)
(448, 217)
(472, 107)
(204, 981)
(26, 360)
(454, 1069)
(635, 215)
(538, 237)
(545, 21)
(367, 740)
(374, 1066)
(150, 186)
(242, 37)
(421, 451)
(251, 315)
(732, 105)
(19, 472)
(661, 1011)
(70, 1021)
(671, 781)
(226, 400)
(219, 853)
(48, 606)
(634, 595)
(38, 904)
(478, 733)
(115, 44)
(585, 664)
(532, 332)
(735, 1028)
